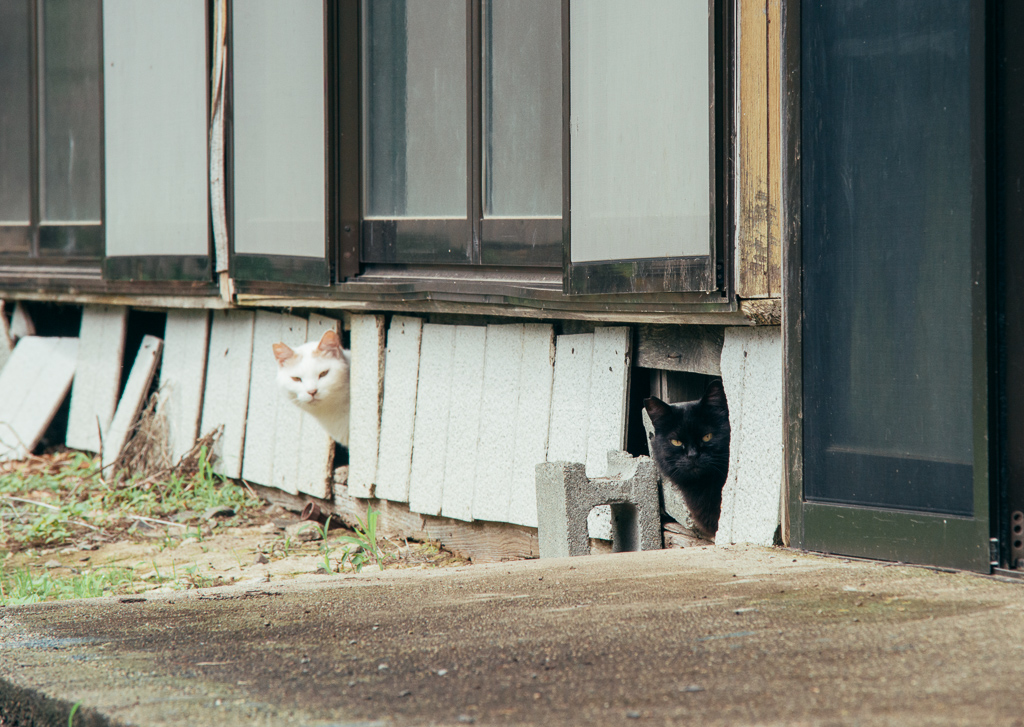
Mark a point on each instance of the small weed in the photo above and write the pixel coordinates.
(365, 541)
(21, 585)
(325, 548)
(71, 716)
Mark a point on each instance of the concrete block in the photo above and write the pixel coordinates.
(398, 414)
(464, 422)
(531, 441)
(97, 375)
(752, 375)
(503, 357)
(609, 389)
(565, 496)
(366, 393)
(433, 399)
(226, 399)
(182, 376)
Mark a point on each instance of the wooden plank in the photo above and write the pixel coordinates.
(132, 399)
(21, 322)
(366, 385)
(495, 456)
(288, 418)
(570, 395)
(481, 542)
(32, 386)
(536, 375)
(316, 448)
(398, 413)
(609, 387)
(433, 399)
(183, 377)
(464, 422)
(774, 149)
(97, 375)
(6, 341)
(697, 349)
(226, 399)
(752, 184)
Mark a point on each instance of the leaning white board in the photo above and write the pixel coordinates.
(226, 399)
(401, 368)
(535, 377)
(182, 375)
(97, 375)
(464, 422)
(433, 397)
(366, 391)
(315, 470)
(132, 398)
(32, 386)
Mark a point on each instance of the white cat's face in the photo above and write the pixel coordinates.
(313, 373)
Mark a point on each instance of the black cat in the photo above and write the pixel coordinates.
(691, 447)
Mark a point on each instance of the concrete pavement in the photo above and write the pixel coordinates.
(710, 636)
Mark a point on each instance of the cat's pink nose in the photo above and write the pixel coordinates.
(311, 392)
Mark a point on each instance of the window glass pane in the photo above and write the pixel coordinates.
(640, 129)
(522, 108)
(70, 111)
(15, 114)
(279, 146)
(155, 122)
(887, 232)
(415, 108)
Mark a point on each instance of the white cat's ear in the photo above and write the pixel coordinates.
(282, 353)
(330, 344)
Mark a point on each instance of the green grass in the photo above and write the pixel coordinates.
(43, 509)
(23, 585)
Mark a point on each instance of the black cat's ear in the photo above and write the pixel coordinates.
(714, 395)
(656, 409)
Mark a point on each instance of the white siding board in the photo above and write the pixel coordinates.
(534, 410)
(97, 375)
(433, 399)
(398, 414)
(32, 386)
(226, 400)
(6, 340)
(316, 448)
(609, 386)
(460, 463)
(183, 377)
(288, 418)
(503, 356)
(132, 398)
(366, 384)
(570, 395)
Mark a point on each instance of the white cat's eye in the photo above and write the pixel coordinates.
(676, 443)
(296, 378)
(707, 437)
(323, 374)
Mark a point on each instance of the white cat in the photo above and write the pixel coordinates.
(315, 378)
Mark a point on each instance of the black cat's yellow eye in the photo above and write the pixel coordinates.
(676, 443)
(706, 437)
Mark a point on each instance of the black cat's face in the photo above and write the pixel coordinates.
(691, 440)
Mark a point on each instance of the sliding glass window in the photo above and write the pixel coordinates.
(462, 131)
(51, 169)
